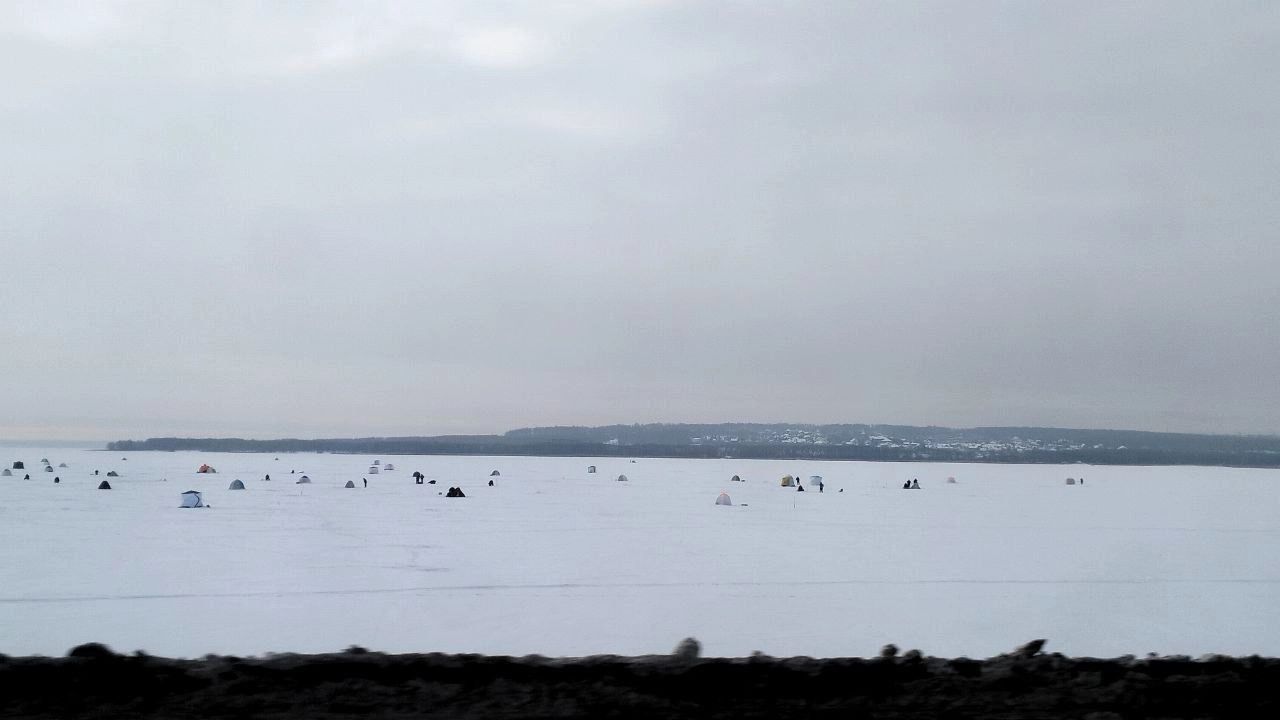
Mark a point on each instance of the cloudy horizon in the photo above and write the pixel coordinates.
(376, 219)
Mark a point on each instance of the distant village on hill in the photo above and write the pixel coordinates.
(897, 443)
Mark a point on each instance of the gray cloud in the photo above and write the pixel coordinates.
(349, 219)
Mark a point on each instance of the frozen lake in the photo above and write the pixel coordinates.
(555, 561)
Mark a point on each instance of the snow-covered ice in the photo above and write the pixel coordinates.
(556, 561)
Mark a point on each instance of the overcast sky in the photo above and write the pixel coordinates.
(331, 219)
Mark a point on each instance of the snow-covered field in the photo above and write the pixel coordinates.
(555, 561)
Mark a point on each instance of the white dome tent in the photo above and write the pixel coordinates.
(304, 480)
(388, 466)
(192, 499)
(723, 499)
(373, 469)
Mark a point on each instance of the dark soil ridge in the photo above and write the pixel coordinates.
(93, 682)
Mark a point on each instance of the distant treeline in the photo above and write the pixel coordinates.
(898, 443)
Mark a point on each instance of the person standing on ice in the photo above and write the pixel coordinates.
(820, 486)
(366, 482)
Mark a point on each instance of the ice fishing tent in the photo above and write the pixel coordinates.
(735, 478)
(788, 481)
(951, 480)
(192, 499)
(62, 465)
(495, 473)
(206, 469)
(377, 462)
(235, 485)
(723, 499)
(104, 485)
(373, 469)
(304, 480)
(7, 473)
(622, 478)
(44, 460)
(591, 468)
(1071, 481)
(48, 468)
(388, 466)
(350, 484)
(815, 479)
(17, 465)
(113, 473)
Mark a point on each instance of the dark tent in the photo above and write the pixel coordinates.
(235, 485)
(495, 473)
(18, 465)
(349, 484)
(113, 473)
(455, 492)
(735, 478)
(104, 485)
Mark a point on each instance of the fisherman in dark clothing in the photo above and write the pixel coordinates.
(906, 485)
(490, 483)
(366, 482)
(820, 486)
